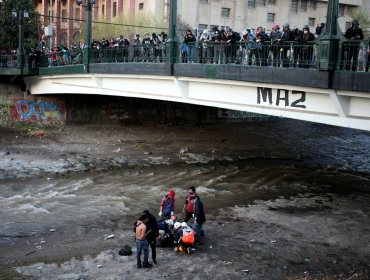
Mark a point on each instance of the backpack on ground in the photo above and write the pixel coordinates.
(125, 251)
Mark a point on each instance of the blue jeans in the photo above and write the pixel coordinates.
(197, 228)
(140, 246)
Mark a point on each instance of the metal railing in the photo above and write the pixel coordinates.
(352, 56)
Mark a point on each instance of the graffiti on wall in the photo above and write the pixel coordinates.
(39, 111)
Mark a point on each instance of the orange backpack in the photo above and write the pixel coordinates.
(188, 236)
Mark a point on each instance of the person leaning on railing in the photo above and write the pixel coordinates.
(350, 48)
(286, 41)
(297, 47)
(275, 37)
(189, 41)
(307, 49)
(263, 40)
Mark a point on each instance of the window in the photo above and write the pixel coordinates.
(341, 10)
(313, 4)
(203, 1)
(202, 27)
(114, 13)
(212, 26)
(251, 3)
(261, 3)
(64, 15)
(311, 21)
(225, 12)
(103, 10)
(303, 5)
(272, 2)
(294, 6)
(141, 6)
(270, 17)
(77, 13)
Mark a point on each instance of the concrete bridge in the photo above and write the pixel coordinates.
(339, 98)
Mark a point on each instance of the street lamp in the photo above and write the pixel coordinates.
(87, 46)
(21, 15)
(173, 40)
(329, 41)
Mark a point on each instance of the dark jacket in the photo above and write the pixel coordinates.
(199, 211)
(352, 33)
(153, 226)
(189, 38)
(298, 36)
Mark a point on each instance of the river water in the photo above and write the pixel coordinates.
(323, 162)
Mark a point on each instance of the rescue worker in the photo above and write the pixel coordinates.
(188, 208)
(166, 210)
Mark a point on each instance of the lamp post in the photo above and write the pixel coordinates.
(173, 40)
(21, 15)
(329, 42)
(87, 47)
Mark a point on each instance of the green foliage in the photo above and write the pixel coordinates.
(9, 26)
(126, 25)
(364, 20)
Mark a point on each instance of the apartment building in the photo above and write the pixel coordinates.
(239, 14)
(198, 14)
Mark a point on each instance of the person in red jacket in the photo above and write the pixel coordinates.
(188, 208)
(166, 210)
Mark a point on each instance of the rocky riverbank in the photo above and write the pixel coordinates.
(319, 231)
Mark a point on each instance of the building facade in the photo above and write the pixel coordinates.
(66, 17)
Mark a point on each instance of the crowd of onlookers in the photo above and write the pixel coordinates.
(286, 46)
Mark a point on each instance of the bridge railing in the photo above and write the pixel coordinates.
(352, 56)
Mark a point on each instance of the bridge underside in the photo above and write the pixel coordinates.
(292, 93)
(329, 106)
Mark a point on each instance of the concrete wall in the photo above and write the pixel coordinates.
(18, 108)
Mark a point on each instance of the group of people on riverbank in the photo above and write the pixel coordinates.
(167, 230)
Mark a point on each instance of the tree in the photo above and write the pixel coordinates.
(126, 25)
(9, 33)
(364, 20)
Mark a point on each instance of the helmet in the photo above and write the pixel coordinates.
(171, 193)
(183, 224)
(286, 26)
(177, 225)
(306, 27)
(355, 22)
(245, 32)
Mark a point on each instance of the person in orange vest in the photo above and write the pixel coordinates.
(184, 238)
(166, 210)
